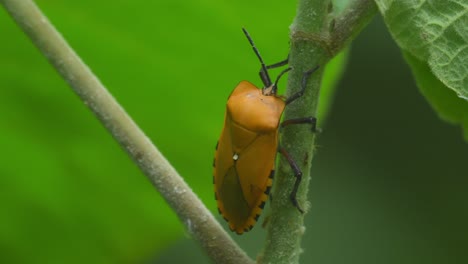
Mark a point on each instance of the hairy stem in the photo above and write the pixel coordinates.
(198, 220)
(317, 34)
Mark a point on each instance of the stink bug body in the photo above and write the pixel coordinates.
(245, 154)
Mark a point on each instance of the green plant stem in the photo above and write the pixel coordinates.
(317, 34)
(198, 220)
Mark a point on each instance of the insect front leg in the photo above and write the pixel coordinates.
(264, 75)
(278, 64)
(305, 77)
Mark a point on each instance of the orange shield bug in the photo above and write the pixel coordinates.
(245, 154)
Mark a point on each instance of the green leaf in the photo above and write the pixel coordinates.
(435, 32)
(433, 36)
(449, 107)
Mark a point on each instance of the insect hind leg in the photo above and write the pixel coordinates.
(297, 174)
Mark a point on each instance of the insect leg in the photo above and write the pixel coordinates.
(305, 77)
(275, 85)
(263, 74)
(278, 64)
(303, 120)
(297, 174)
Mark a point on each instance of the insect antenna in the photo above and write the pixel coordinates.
(264, 72)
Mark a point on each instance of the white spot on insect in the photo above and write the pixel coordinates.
(235, 156)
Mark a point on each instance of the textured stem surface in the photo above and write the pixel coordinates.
(317, 34)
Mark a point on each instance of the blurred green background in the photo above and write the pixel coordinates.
(388, 183)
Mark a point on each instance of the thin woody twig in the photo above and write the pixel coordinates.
(198, 220)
